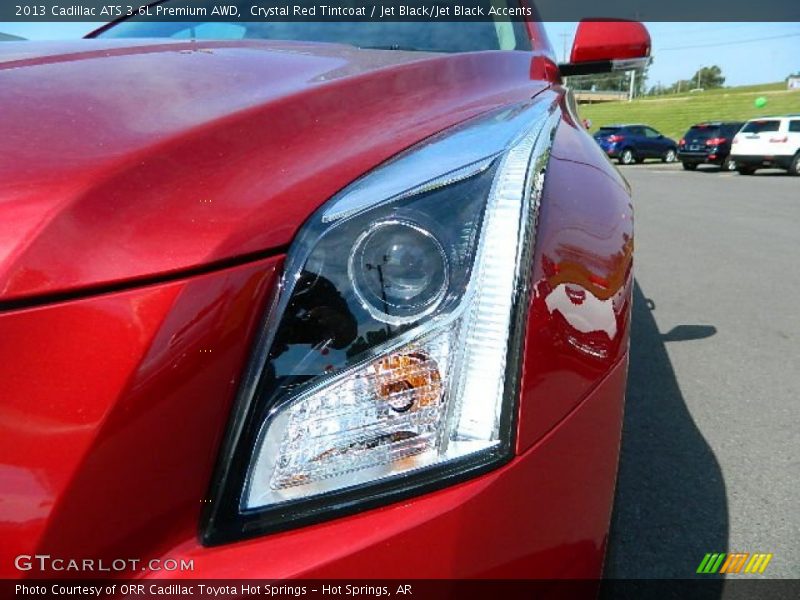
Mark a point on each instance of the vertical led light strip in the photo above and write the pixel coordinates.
(508, 231)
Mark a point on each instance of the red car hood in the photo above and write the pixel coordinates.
(126, 161)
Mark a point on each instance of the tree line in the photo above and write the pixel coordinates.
(706, 78)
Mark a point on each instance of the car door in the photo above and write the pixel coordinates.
(793, 134)
(635, 136)
(657, 144)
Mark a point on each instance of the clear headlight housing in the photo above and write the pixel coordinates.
(389, 361)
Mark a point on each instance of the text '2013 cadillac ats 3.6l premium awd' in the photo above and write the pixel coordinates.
(310, 300)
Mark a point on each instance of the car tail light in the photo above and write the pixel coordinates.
(682, 142)
(615, 138)
(389, 360)
(779, 140)
(715, 141)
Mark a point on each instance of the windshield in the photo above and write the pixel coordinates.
(431, 36)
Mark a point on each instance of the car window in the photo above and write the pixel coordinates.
(702, 132)
(635, 130)
(761, 126)
(434, 36)
(794, 126)
(731, 129)
(607, 130)
(650, 132)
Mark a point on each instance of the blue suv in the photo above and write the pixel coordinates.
(634, 143)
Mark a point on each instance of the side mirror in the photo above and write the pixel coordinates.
(605, 46)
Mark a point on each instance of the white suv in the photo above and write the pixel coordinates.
(768, 142)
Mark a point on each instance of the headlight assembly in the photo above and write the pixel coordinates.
(389, 359)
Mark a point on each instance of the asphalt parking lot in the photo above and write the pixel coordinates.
(712, 426)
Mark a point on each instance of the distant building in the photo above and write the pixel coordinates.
(793, 83)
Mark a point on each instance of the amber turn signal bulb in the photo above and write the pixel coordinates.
(408, 381)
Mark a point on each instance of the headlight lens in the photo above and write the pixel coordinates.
(389, 361)
(398, 270)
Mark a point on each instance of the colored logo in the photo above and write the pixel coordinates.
(735, 562)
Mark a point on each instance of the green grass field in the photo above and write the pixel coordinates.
(672, 115)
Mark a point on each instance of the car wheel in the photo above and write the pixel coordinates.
(689, 166)
(670, 156)
(728, 165)
(745, 170)
(794, 168)
(627, 157)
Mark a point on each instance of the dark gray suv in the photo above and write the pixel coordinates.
(708, 143)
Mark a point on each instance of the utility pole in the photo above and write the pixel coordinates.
(564, 38)
(633, 83)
